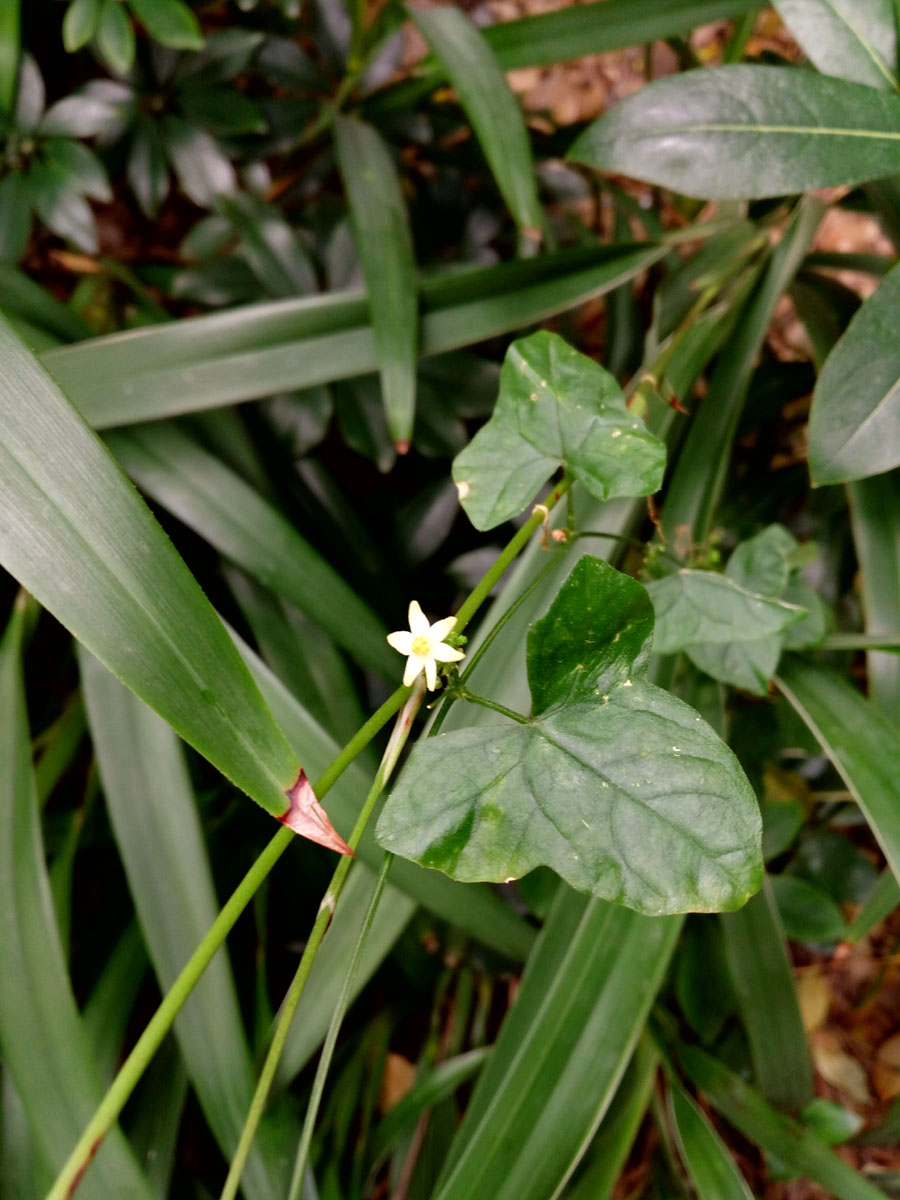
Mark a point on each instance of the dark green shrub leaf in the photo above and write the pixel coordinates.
(748, 131)
(79, 23)
(490, 105)
(556, 408)
(807, 913)
(854, 427)
(621, 788)
(15, 217)
(169, 22)
(115, 36)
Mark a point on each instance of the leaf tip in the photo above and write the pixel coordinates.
(306, 817)
(402, 447)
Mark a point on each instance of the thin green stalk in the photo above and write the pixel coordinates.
(337, 1019)
(862, 641)
(483, 702)
(323, 919)
(161, 1022)
(472, 663)
(134, 1066)
(484, 588)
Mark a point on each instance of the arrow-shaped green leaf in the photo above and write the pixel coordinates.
(618, 786)
(556, 407)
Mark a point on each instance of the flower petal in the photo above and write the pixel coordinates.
(440, 629)
(445, 653)
(401, 640)
(430, 674)
(418, 622)
(414, 665)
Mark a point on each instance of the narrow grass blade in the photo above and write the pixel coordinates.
(384, 242)
(427, 1092)
(154, 1116)
(490, 105)
(326, 978)
(46, 1050)
(562, 1051)
(76, 534)
(862, 743)
(761, 974)
(210, 498)
(798, 1149)
(606, 1156)
(479, 911)
(23, 1175)
(711, 1167)
(856, 405)
(262, 349)
(880, 903)
(111, 1002)
(154, 818)
(875, 520)
(565, 33)
(10, 50)
(304, 658)
(696, 488)
(22, 297)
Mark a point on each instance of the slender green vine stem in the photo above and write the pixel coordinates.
(337, 1018)
(398, 738)
(520, 539)
(136, 1063)
(161, 1022)
(483, 702)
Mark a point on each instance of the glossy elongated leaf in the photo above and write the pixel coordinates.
(614, 783)
(748, 131)
(561, 1052)
(854, 428)
(859, 739)
(384, 242)
(875, 518)
(154, 818)
(606, 1156)
(854, 39)
(798, 1149)
(262, 349)
(490, 106)
(45, 1047)
(556, 407)
(711, 1167)
(75, 533)
(212, 499)
(704, 608)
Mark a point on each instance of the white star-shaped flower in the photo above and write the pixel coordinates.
(425, 646)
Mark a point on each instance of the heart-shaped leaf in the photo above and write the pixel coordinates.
(735, 626)
(618, 786)
(556, 408)
(696, 608)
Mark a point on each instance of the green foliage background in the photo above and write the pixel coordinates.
(253, 262)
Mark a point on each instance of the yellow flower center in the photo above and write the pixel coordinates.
(420, 646)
